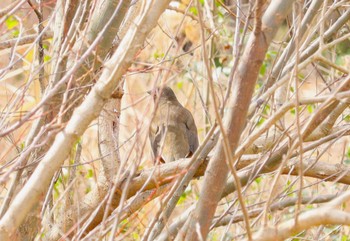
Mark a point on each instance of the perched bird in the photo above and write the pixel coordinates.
(173, 133)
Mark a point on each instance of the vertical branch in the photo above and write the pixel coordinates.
(225, 141)
(297, 111)
(109, 120)
(235, 118)
(108, 134)
(39, 14)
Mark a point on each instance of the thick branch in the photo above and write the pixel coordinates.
(234, 120)
(324, 215)
(82, 117)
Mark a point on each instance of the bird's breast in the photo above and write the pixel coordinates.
(175, 143)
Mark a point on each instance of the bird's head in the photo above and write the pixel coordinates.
(163, 94)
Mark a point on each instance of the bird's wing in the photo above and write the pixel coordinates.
(155, 138)
(191, 131)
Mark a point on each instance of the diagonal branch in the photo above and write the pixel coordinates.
(234, 120)
(82, 117)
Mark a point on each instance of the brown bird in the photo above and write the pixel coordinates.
(173, 132)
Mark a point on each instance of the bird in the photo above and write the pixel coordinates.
(173, 132)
